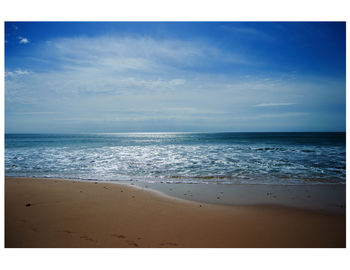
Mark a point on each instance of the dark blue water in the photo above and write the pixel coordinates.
(250, 158)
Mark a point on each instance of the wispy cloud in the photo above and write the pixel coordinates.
(121, 82)
(144, 54)
(38, 113)
(17, 72)
(282, 115)
(273, 104)
(247, 31)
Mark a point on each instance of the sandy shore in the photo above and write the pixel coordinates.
(60, 213)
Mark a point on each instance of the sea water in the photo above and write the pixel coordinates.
(245, 158)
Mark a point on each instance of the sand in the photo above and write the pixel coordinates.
(61, 213)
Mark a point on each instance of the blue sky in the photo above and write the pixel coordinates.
(157, 77)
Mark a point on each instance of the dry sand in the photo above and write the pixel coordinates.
(61, 213)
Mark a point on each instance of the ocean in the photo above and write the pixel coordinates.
(294, 158)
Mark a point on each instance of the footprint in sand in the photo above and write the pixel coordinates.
(118, 235)
(65, 231)
(169, 244)
(87, 238)
(22, 220)
(131, 243)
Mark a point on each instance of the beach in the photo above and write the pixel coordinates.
(52, 213)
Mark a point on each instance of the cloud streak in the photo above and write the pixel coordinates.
(248, 31)
(273, 104)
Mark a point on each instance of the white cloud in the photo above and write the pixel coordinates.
(23, 40)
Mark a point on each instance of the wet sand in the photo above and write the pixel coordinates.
(61, 213)
(319, 197)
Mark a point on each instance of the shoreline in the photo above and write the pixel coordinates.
(64, 213)
(330, 198)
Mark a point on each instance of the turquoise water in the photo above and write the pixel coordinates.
(248, 158)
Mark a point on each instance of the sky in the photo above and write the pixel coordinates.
(71, 77)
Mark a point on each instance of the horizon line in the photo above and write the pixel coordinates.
(142, 132)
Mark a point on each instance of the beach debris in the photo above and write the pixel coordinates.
(200, 205)
(28, 204)
(95, 182)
